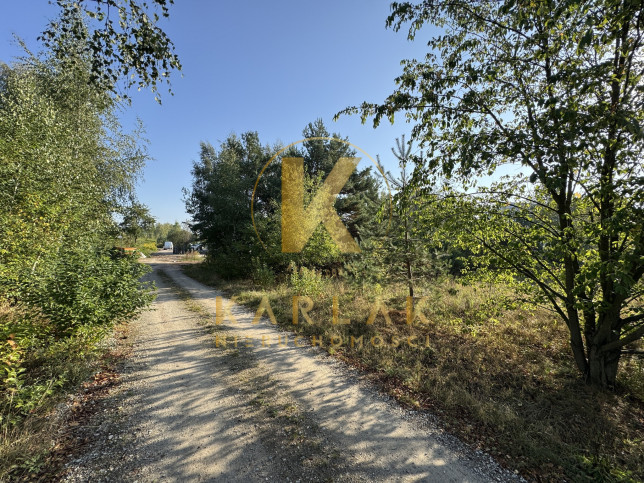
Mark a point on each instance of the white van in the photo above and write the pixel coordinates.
(168, 246)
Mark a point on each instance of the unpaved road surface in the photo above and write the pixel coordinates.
(190, 411)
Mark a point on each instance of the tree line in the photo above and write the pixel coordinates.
(224, 187)
(375, 206)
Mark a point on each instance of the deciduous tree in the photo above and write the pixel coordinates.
(556, 89)
(136, 220)
(121, 38)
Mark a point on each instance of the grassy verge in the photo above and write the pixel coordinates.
(46, 373)
(500, 376)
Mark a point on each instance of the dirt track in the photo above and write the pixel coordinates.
(190, 411)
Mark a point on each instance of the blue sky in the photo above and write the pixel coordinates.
(270, 67)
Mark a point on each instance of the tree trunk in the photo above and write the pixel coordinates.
(409, 279)
(602, 366)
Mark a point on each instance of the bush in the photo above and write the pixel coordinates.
(50, 335)
(148, 247)
(34, 362)
(306, 281)
(232, 262)
(263, 275)
(61, 318)
(36, 369)
(92, 289)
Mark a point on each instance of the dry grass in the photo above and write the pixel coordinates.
(192, 257)
(500, 376)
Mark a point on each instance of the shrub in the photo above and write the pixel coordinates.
(85, 288)
(306, 281)
(263, 275)
(148, 247)
(61, 319)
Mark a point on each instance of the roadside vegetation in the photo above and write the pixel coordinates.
(493, 357)
(498, 373)
(67, 173)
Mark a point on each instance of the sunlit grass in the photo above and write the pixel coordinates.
(499, 374)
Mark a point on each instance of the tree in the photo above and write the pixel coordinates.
(160, 232)
(405, 249)
(223, 180)
(65, 166)
(556, 88)
(179, 236)
(359, 199)
(136, 220)
(222, 188)
(124, 43)
(220, 196)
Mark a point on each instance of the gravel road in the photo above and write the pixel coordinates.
(190, 411)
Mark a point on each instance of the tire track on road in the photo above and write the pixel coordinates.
(376, 439)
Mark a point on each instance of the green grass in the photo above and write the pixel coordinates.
(500, 375)
(39, 371)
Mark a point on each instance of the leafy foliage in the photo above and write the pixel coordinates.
(306, 281)
(159, 232)
(136, 220)
(179, 236)
(89, 288)
(359, 199)
(65, 168)
(555, 88)
(123, 44)
(220, 202)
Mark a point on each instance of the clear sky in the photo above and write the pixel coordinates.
(270, 67)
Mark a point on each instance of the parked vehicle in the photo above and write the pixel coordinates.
(168, 246)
